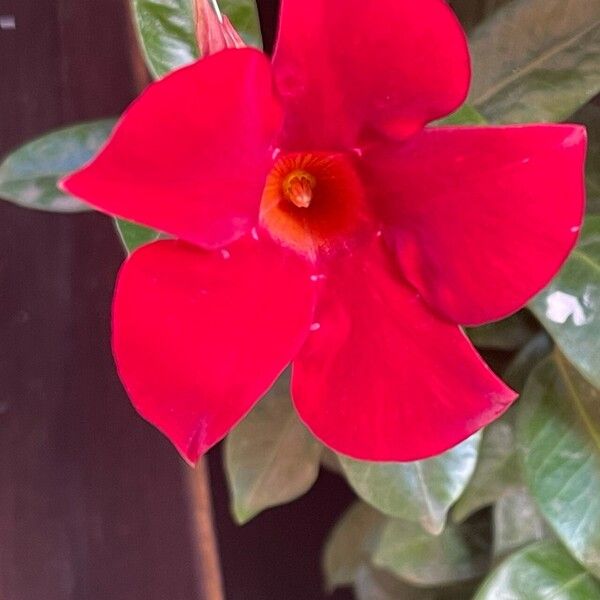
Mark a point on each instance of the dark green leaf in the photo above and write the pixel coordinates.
(536, 60)
(508, 334)
(270, 457)
(559, 439)
(421, 491)
(496, 471)
(517, 521)
(542, 571)
(569, 308)
(133, 235)
(29, 175)
(350, 544)
(458, 554)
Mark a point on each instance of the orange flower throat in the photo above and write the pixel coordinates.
(313, 202)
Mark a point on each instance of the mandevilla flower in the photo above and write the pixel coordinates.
(318, 222)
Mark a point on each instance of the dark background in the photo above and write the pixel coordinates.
(93, 501)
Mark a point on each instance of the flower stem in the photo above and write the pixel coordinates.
(210, 583)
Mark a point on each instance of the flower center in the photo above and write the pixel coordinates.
(313, 202)
(298, 187)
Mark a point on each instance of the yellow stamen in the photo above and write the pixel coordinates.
(298, 187)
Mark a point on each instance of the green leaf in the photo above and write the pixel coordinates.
(421, 491)
(559, 439)
(350, 544)
(508, 334)
(536, 60)
(569, 308)
(519, 369)
(466, 115)
(496, 471)
(133, 235)
(29, 175)
(167, 32)
(374, 584)
(243, 14)
(458, 554)
(270, 457)
(517, 521)
(542, 571)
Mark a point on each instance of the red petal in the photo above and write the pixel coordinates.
(190, 156)
(343, 67)
(481, 218)
(383, 378)
(199, 336)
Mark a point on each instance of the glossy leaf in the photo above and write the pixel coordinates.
(517, 521)
(508, 334)
(167, 33)
(421, 491)
(559, 439)
(542, 571)
(350, 544)
(536, 60)
(29, 175)
(167, 30)
(458, 554)
(133, 235)
(270, 457)
(569, 308)
(497, 470)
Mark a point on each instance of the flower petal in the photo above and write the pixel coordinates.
(190, 156)
(481, 218)
(199, 336)
(384, 378)
(344, 67)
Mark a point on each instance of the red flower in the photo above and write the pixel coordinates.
(319, 223)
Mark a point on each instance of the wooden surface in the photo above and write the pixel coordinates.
(94, 503)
